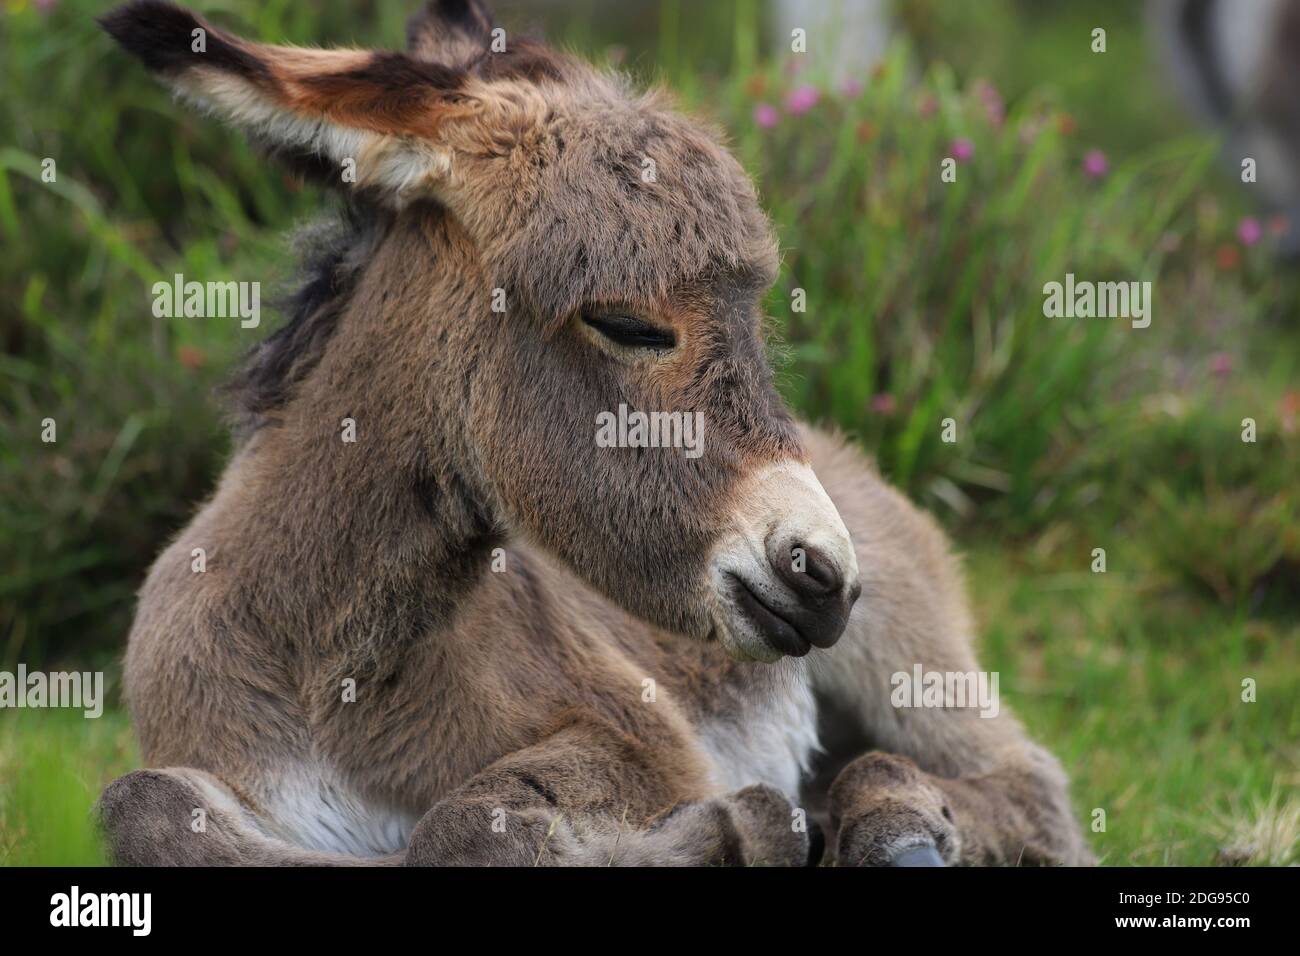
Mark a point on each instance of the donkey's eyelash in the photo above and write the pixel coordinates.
(630, 331)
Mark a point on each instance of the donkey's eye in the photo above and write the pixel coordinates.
(630, 331)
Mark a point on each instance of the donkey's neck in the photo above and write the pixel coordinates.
(360, 558)
(354, 498)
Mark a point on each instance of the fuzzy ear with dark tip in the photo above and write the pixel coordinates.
(375, 119)
(451, 32)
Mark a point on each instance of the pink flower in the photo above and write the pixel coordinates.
(801, 100)
(884, 404)
(962, 149)
(766, 115)
(1249, 231)
(1095, 163)
(1221, 364)
(851, 88)
(993, 107)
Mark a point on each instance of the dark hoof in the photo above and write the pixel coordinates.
(816, 843)
(918, 856)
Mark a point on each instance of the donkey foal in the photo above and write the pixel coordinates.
(477, 634)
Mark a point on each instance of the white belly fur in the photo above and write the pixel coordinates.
(772, 740)
(308, 810)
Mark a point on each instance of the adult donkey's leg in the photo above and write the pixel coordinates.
(965, 781)
(591, 795)
(185, 817)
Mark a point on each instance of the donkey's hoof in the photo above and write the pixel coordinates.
(918, 856)
(763, 819)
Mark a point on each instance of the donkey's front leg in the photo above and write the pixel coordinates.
(590, 795)
(887, 811)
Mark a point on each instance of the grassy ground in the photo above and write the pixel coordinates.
(1137, 688)
(923, 302)
(54, 765)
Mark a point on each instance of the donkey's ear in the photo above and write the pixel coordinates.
(376, 116)
(450, 32)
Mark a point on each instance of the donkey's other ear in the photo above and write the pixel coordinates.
(375, 116)
(450, 32)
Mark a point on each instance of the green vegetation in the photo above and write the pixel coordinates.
(923, 302)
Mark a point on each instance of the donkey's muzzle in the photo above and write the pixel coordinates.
(817, 581)
(807, 570)
(805, 602)
(788, 575)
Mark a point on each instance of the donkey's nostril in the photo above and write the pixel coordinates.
(820, 569)
(807, 570)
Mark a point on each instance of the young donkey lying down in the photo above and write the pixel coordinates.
(671, 653)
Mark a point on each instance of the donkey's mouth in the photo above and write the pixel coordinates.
(782, 635)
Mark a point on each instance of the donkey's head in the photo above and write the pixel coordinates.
(618, 259)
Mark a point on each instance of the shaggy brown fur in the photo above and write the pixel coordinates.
(472, 635)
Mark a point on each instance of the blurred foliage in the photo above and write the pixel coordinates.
(1120, 98)
(923, 299)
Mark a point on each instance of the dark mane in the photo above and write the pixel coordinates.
(334, 250)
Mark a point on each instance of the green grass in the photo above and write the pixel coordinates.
(1137, 687)
(923, 300)
(53, 766)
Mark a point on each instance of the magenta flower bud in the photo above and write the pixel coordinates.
(1249, 231)
(801, 100)
(1095, 163)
